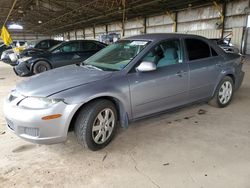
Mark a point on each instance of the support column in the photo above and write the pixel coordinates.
(222, 11)
(106, 29)
(145, 25)
(224, 6)
(123, 17)
(173, 17)
(94, 31)
(83, 33)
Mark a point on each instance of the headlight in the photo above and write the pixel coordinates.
(38, 103)
(3, 55)
(24, 59)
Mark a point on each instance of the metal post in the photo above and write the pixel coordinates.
(145, 25)
(175, 22)
(83, 33)
(106, 29)
(222, 12)
(173, 17)
(123, 17)
(224, 6)
(94, 31)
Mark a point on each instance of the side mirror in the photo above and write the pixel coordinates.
(146, 67)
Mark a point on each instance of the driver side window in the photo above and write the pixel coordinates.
(165, 54)
(71, 47)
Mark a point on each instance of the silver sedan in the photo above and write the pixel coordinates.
(131, 79)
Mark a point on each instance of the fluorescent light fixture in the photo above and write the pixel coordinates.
(15, 26)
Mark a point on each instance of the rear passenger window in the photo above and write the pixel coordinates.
(197, 49)
(71, 47)
(89, 46)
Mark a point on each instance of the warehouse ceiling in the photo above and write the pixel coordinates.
(57, 16)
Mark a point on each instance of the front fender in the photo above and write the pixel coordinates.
(115, 88)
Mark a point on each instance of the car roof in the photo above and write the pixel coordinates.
(162, 36)
(65, 42)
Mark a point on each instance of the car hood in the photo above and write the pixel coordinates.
(9, 51)
(60, 79)
(32, 51)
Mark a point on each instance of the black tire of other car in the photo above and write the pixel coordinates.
(86, 130)
(41, 66)
(224, 90)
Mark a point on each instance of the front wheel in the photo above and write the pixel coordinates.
(96, 124)
(224, 93)
(41, 66)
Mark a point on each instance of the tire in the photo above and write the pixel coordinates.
(89, 117)
(41, 66)
(222, 93)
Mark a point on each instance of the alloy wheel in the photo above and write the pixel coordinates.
(103, 126)
(225, 92)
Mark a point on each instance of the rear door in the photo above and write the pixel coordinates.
(67, 54)
(204, 64)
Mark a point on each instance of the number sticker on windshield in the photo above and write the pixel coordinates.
(138, 43)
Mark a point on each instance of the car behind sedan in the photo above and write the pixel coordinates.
(131, 79)
(10, 57)
(66, 53)
(226, 45)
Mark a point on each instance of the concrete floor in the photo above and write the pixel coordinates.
(180, 149)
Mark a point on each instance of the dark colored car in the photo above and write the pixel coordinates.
(33, 47)
(46, 44)
(3, 47)
(226, 45)
(66, 53)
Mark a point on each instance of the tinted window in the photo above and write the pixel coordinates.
(21, 43)
(214, 53)
(89, 46)
(164, 54)
(54, 42)
(197, 49)
(71, 47)
(43, 45)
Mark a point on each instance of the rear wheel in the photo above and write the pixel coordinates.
(41, 66)
(96, 124)
(224, 93)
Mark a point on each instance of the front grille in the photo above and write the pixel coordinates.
(31, 131)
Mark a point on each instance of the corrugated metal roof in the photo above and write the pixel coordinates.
(63, 15)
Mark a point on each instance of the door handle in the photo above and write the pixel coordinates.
(180, 73)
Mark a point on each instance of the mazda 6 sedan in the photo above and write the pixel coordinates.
(131, 79)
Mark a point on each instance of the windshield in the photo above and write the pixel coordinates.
(116, 56)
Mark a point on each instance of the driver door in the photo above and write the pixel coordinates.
(67, 54)
(164, 88)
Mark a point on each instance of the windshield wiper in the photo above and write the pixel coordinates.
(93, 67)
